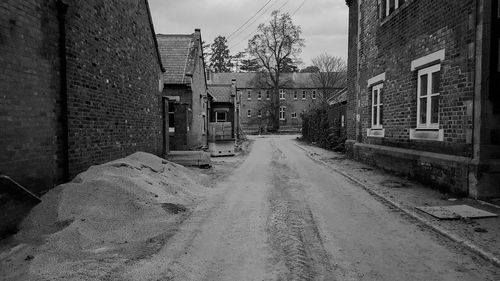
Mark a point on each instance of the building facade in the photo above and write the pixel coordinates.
(185, 87)
(421, 100)
(298, 92)
(79, 87)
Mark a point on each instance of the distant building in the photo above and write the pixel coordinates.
(186, 89)
(223, 119)
(297, 93)
(423, 91)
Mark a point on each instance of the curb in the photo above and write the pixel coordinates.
(464, 243)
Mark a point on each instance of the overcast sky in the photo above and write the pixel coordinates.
(323, 22)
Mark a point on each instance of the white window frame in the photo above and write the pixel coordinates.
(427, 71)
(314, 95)
(303, 94)
(294, 115)
(295, 95)
(282, 94)
(259, 95)
(249, 95)
(249, 113)
(282, 112)
(259, 113)
(268, 96)
(387, 4)
(376, 103)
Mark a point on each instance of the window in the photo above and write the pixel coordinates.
(389, 6)
(267, 95)
(294, 115)
(220, 116)
(282, 113)
(342, 121)
(249, 113)
(314, 95)
(377, 109)
(249, 95)
(303, 95)
(282, 94)
(259, 114)
(259, 96)
(171, 116)
(295, 95)
(429, 80)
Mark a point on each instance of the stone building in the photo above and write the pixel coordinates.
(298, 92)
(79, 85)
(186, 88)
(422, 97)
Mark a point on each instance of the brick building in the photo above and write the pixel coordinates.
(186, 88)
(79, 86)
(298, 92)
(421, 100)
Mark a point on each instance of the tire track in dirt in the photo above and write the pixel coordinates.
(292, 229)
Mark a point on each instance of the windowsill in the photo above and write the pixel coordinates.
(427, 134)
(375, 132)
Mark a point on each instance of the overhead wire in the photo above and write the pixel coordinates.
(239, 28)
(253, 32)
(251, 23)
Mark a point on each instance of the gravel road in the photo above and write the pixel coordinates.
(281, 216)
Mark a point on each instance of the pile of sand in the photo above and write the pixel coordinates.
(108, 209)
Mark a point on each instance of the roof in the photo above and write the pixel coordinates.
(339, 97)
(178, 54)
(257, 80)
(221, 92)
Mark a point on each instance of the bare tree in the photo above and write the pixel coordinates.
(330, 75)
(275, 44)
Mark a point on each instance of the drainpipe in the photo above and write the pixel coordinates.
(62, 8)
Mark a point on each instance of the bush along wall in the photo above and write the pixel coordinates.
(319, 128)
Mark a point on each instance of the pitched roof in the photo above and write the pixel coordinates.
(220, 92)
(257, 80)
(178, 54)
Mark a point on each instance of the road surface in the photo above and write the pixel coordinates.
(282, 216)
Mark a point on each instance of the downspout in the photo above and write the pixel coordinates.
(62, 8)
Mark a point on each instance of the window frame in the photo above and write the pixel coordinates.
(259, 95)
(313, 95)
(282, 113)
(259, 113)
(294, 115)
(249, 113)
(249, 95)
(268, 96)
(282, 94)
(376, 103)
(295, 95)
(428, 125)
(303, 94)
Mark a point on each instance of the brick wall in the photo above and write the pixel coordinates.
(30, 132)
(352, 61)
(114, 102)
(389, 45)
(197, 136)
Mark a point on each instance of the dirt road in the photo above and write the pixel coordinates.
(281, 216)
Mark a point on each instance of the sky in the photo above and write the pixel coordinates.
(323, 22)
